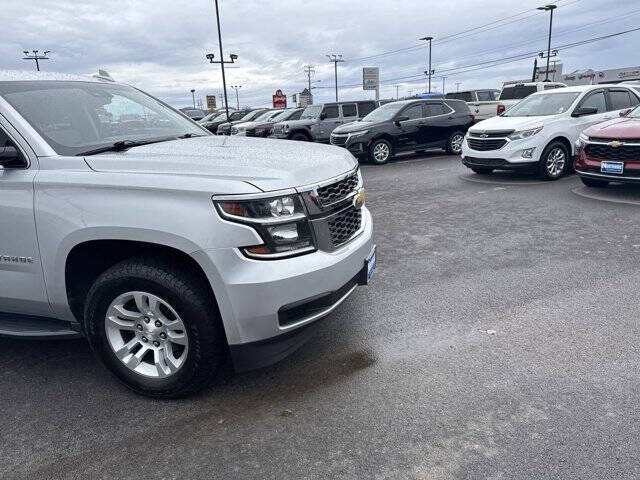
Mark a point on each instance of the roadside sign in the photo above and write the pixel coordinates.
(370, 78)
(295, 98)
(279, 99)
(211, 102)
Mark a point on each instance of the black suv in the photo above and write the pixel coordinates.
(225, 128)
(409, 125)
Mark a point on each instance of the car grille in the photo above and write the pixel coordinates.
(485, 162)
(494, 134)
(606, 152)
(486, 145)
(338, 191)
(250, 133)
(277, 129)
(345, 225)
(339, 140)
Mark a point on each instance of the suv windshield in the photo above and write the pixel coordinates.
(312, 111)
(385, 112)
(265, 116)
(542, 105)
(76, 117)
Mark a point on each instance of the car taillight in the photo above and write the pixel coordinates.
(501, 108)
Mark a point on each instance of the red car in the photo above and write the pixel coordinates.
(610, 151)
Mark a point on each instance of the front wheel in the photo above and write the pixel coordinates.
(156, 327)
(380, 152)
(454, 144)
(590, 182)
(300, 137)
(554, 161)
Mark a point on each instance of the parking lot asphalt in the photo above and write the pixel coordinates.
(499, 340)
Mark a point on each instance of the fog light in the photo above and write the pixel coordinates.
(284, 233)
(528, 153)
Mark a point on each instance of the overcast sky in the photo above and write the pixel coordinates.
(160, 45)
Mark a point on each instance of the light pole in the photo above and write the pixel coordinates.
(443, 79)
(430, 71)
(193, 95)
(36, 57)
(397, 90)
(222, 61)
(308, 69)
(548, 8)
(335, 59)
(236, 87)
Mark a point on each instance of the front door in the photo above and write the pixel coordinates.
(329, 120)
(21, 279)
(407, 131)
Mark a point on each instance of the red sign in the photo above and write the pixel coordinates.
(279, 100)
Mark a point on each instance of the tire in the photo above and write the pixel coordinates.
(179, 309)
(380, 152)
(590, 182)
(483, 171)
(554, 161)
(300, 137)
(454, 143)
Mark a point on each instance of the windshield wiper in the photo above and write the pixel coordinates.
(122, 145)
(192, 135)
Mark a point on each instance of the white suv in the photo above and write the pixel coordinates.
(538, 134)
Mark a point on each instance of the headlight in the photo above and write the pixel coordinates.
(286, 129)
(525, 133)
(281, 222)
(358, 134)
(581, 142)
(234, 131)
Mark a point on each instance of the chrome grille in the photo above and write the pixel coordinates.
(339, 140)
(338, 191)
(483, 145)
(344, 226)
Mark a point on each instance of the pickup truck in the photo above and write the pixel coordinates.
(166, 247)
(482, 103)
(513, 93)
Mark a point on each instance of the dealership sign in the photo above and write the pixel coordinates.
(279, 99)
(211, 102)
(370, 78)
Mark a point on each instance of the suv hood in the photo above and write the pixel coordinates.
(357, 126)
(299, 123)
(619, 128)
(263, 163)
(511, 123)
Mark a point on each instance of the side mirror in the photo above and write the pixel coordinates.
(10, 157)
(401, 118)
(625, 112)
(323, 116)
(582, 111)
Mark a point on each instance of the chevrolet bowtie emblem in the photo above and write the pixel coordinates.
(615, 144)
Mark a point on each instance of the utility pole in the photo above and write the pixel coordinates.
(443, 79)
(457, 86)
(430, 71)
(397, 90)
(36, 57)
(222, 61)
(309, 70)
(548, 8)
(193, 95)
(236, 87)
(335, 59)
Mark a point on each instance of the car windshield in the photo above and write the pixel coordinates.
(283, 115)
(75, 117)
(209, 117)
(385, 112)
(635, 113)
(543, 104)
(266, 116)
(312, 111)
(193, 113)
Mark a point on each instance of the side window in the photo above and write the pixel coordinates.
(596, 100)
(433, 109)
(8, 149)
(331, 112)
(365, 108)
(621, 99)
(464, 96)
(551, 87)
(486, 96)
(295, 115)
(413, 112)
(349, 110)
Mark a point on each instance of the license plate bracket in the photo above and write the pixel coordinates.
(612, 167)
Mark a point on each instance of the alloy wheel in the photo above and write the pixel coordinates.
(146, 334)
(456, 143)
(381, 152)
(556, 160)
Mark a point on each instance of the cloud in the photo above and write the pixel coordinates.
(160, 45)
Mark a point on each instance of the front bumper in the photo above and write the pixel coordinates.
(588, 167)
(358, 146)
(252, 294)
(508, 157)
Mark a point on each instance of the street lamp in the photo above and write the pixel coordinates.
(222, 61)
(193, 95)
(548, 8)
(35, 56)
(335, 59)
(236, 87)
(429, 72)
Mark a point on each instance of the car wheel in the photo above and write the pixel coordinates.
(301, 137)
(483, 171)
(454, 144)
(590, 182)
(380, 152)
(554, 161)
(155, 327)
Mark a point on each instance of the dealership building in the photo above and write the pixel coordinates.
(584, 77)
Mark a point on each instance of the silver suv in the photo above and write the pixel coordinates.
(124, 221)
